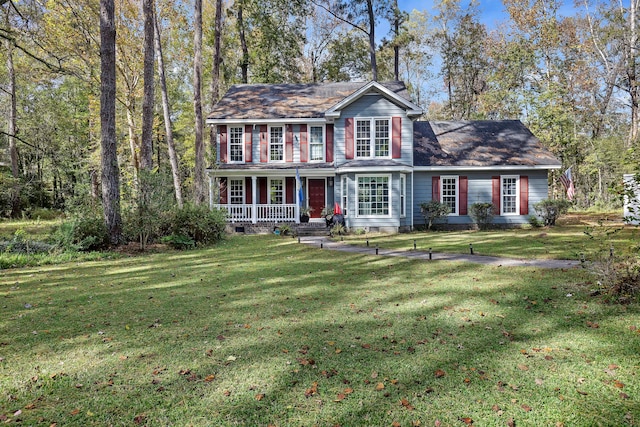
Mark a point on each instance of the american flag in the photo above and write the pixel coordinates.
(567, 182)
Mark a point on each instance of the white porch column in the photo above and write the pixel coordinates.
(254, 196)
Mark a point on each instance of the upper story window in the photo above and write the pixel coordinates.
(276, 143)
(372, 137)
(449, 193)
(236, 145)
(316, 143)
(509, 195)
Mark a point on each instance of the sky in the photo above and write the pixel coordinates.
(492, 12)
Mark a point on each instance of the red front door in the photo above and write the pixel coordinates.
(317, 198)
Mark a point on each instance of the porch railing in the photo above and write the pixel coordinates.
(263, 213)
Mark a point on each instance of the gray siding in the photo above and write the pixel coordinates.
(374, 106)
(480, 191)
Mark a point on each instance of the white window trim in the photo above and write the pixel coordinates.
(517, 210)
(403, 195)
(344, 188)
(229, 144)
(372, 137)
(324, 142)
(284, 190)
(244, 198)
(284, 143)
(390, 203)
(457, 178)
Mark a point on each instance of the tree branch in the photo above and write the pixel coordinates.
(335, 15)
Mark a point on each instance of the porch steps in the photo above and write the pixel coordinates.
(312, 229)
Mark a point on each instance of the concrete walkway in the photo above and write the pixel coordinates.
(327, 243)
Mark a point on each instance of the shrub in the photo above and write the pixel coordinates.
(45, 214)
(482, 214)
(433, 211)
(535, 221)
(178, 241)
(21, 245)
(84, 232)
(198, 223)
(551, 209)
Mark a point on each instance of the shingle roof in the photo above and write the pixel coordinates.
(478, 143)
(281, 101)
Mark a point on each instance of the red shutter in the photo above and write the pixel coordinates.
(329, 153)
(223, 144)
(223, 191)
(435, 188)
(288, 143)
(348, 138)
(524, 195)
(396, 137)
(304, 147)
(495, 194)
(290, 190)
(248, 143)
(248, 192)
(463, 183)
(264, 194)
(264, 144)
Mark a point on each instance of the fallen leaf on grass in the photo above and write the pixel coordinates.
(312, 390)
(209, 378)
(379, 386)
(259, 396)
(439, 373)
(523, 367)
(511, 422)
(467, 420)
(593, 325)
(526, 408)
(395, 424)
(340, 397)
(405, 403)
(75, 411)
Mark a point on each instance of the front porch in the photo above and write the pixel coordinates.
(259, 213)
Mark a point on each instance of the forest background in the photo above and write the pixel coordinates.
(572, 78)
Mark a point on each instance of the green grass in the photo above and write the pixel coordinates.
(567, 240)
(263, 331)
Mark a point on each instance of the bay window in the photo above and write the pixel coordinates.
(374, 195)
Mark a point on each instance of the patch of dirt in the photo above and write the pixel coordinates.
(134, 248)
(588, 218)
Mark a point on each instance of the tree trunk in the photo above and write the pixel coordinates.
(109, 157)
(173, 158)
(16, 207)
(133, 141)
(396, 47)
(372, 40)
(199, 187)
(146, 148)
(217, 56)
(244, 64)
(634, 84)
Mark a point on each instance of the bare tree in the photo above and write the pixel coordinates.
(110, 168)
(199, 184)
(166, 109)
(146, 148)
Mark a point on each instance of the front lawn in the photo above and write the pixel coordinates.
(264, 331)
(567, 240)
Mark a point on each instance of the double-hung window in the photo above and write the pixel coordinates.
(236, 191)
(276, 191)
(236, 145)
(374, 195)
(372, 137)
(403, 195)
(276, 143)
(509, 195)
(449, 193)
(345, 194)
(316, 143)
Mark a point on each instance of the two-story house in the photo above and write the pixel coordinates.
(286, 146)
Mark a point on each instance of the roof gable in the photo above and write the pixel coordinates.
(478, 143)
(390, 93)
